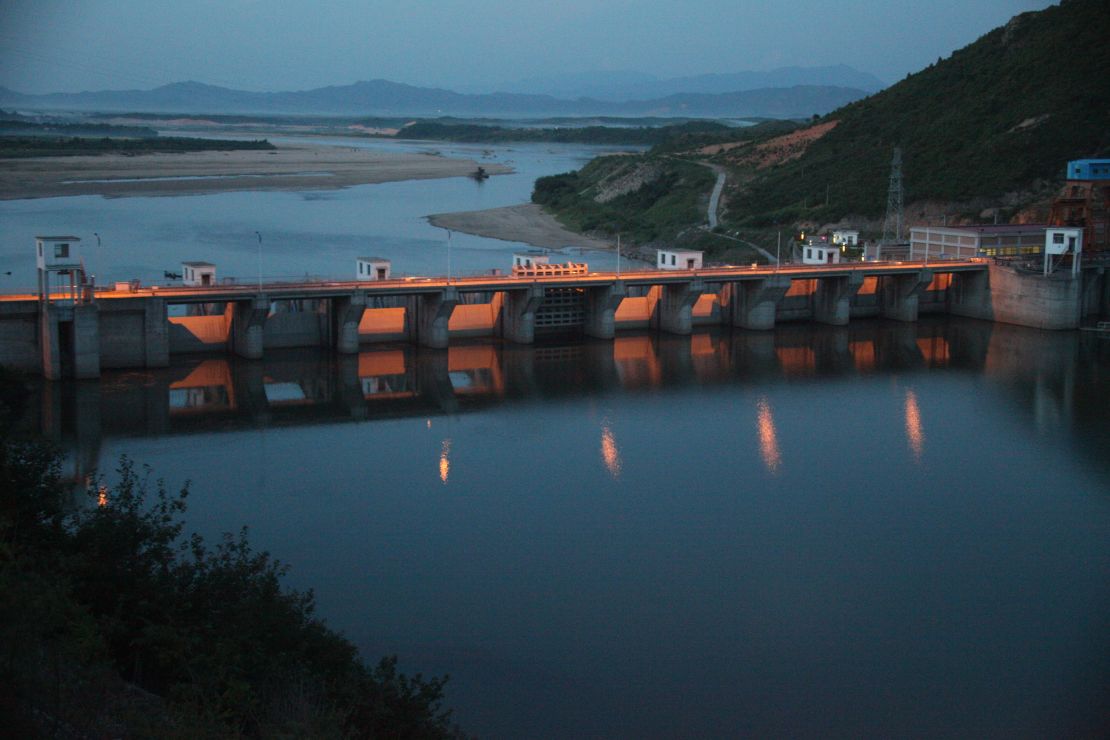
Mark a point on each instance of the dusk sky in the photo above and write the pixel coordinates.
(66, 46)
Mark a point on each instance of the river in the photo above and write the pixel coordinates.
(881, 529)
(315, 233)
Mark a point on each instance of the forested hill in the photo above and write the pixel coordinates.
(1001, 115)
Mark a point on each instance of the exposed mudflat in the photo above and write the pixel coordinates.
(526, 223)
(286, 168)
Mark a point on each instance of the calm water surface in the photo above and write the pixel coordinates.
(883, 529)
(316, 233)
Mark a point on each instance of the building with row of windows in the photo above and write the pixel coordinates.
(965, 242)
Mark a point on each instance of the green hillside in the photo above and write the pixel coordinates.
(1000, 117)
(993, 118)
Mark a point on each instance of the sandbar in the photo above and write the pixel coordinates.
(526, 222)
(290, 167)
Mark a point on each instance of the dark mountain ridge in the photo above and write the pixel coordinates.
(628, 85)
(382, 97)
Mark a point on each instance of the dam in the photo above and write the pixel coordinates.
(79, 332)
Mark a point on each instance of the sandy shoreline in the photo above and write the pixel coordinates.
(286, 168)
(526, 223)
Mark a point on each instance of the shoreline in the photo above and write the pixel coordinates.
(294, 167)
(527, 223)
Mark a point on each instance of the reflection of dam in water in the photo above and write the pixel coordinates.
(215, 394)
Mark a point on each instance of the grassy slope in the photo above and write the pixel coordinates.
(958, 123)
(668, 205)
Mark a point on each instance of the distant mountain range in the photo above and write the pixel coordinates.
(624, 86)
(385, 98)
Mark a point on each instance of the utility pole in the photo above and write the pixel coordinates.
(618, 255)
(778, 252)
(259, 262)
(98, 255)
(892, 224)
(449, 256)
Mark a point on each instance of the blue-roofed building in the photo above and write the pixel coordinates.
(1089, 169)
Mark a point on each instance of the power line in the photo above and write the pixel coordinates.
(892, 224)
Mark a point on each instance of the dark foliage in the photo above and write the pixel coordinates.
(52, 146)
(112, 625)
(670, 197)
(639, 135)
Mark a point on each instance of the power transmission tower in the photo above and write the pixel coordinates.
(892, 225)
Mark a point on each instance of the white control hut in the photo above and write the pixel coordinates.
(678, 259)
(198, 274)
(373, 268)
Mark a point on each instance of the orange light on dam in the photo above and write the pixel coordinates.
(941, 281)
(768, 439)
(801, 287)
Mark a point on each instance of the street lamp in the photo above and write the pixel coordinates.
(98, 250)
(449, 256)
(259, 261)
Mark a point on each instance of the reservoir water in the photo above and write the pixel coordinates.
(882, 529)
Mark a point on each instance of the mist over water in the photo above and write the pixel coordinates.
(877, 529)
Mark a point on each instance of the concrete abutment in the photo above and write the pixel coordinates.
(752, 303)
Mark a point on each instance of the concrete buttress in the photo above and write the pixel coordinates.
(601, 304)
(831, 302)
(432, 316)
(676, 305)
(518, 314)
(752, 302)
(348, 315)
(247, 324)
(899, 294)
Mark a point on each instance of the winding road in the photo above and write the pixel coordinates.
(715, 196)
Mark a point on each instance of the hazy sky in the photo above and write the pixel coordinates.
(71, 45)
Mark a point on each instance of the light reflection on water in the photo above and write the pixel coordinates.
(692, 584)
(445, 460)
(610, 453)
(768, 442)
(914, 433)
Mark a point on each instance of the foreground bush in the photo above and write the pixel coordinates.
(112, 625)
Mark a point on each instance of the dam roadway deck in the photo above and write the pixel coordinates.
(492, 283)
(143, 326)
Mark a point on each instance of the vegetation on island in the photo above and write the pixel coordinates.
(112, 624)
(51, 146)
(615, 135)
